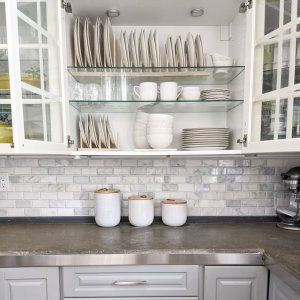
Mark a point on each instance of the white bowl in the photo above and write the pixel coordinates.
(160, 124)
(191, 93)
(159, 141)
(141, 142)
(221, 60)
(142, 117)
(155, 130)
(140, 126)
(140, 132)
(160, 117)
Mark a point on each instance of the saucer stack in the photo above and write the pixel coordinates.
(215, 94)
(194, 139)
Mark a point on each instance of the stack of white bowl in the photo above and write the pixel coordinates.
(160, 131)
(140, 131)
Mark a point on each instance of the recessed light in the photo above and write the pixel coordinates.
(113, 13)
(197, 12)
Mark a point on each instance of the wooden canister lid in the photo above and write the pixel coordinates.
(107, 191)
(173, 201)
(140, 197)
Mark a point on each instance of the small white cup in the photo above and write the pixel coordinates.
(146, 91)
(191, 93)
(170, 91)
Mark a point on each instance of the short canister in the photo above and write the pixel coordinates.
(140, 210)
(174, 212)
(107, 207)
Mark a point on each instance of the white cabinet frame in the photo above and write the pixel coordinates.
(21, 144)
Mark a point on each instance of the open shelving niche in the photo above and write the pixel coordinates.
(121, 110)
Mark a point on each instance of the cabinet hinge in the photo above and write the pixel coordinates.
(245, 6)
(67, 6)
(243, 140)
(12, 145)
(70, 142)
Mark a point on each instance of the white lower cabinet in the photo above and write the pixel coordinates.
(278, 290)
(235, 283)
(29, 284)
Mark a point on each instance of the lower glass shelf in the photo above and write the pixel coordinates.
(187, 106)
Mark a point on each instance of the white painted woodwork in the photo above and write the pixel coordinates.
(154, 12)
(29, 283)
(278, 290)
(238, 283)
(158, 281)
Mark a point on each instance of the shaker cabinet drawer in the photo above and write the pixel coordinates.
(131, 281)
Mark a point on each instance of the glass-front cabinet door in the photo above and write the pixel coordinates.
(35, 40)
(275, 115)
(6, 131)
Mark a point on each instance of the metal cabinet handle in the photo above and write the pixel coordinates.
(130, 283)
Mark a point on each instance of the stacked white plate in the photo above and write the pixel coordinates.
(194, 139)
(215, 94)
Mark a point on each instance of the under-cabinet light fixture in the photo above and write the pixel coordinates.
(113, 13)
(197, 12)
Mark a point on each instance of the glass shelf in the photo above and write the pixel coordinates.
(118, 106)
(197, 75)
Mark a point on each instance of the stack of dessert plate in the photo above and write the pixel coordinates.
(215, 94)
(194, 139)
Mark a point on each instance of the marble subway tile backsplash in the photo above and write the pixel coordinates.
(213, 187)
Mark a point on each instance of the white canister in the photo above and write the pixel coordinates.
(108, 207)
(174, 212)
(140, 210)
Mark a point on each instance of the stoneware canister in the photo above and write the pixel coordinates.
(174, 212)
(108, 207)
(140, 210)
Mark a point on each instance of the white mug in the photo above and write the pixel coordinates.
(146, 91)
(170, 91)
(191, 93)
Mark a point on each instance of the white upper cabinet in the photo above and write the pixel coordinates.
(274, 112)
(36, 73)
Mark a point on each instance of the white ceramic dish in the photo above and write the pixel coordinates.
(161, 117)
(159, 141)
(160, 124)
(153, 130)
(141, 142)
(141, 211)
(174, 212)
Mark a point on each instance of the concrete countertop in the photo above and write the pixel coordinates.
(279, 248)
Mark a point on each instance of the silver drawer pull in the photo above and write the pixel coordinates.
(130, 283)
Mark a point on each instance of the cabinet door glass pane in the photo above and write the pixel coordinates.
(29, 9)
(282, 118)
(297, 62)
(4, 75)
(270, 68)
(271, 15)
(285, 63)
(3, 39)
(267, 120)
(30, 67)
(296, 118)
(5, 124)
(287, 11)
(33, 122)
(27, 34)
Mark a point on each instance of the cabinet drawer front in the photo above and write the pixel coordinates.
(131, 281)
